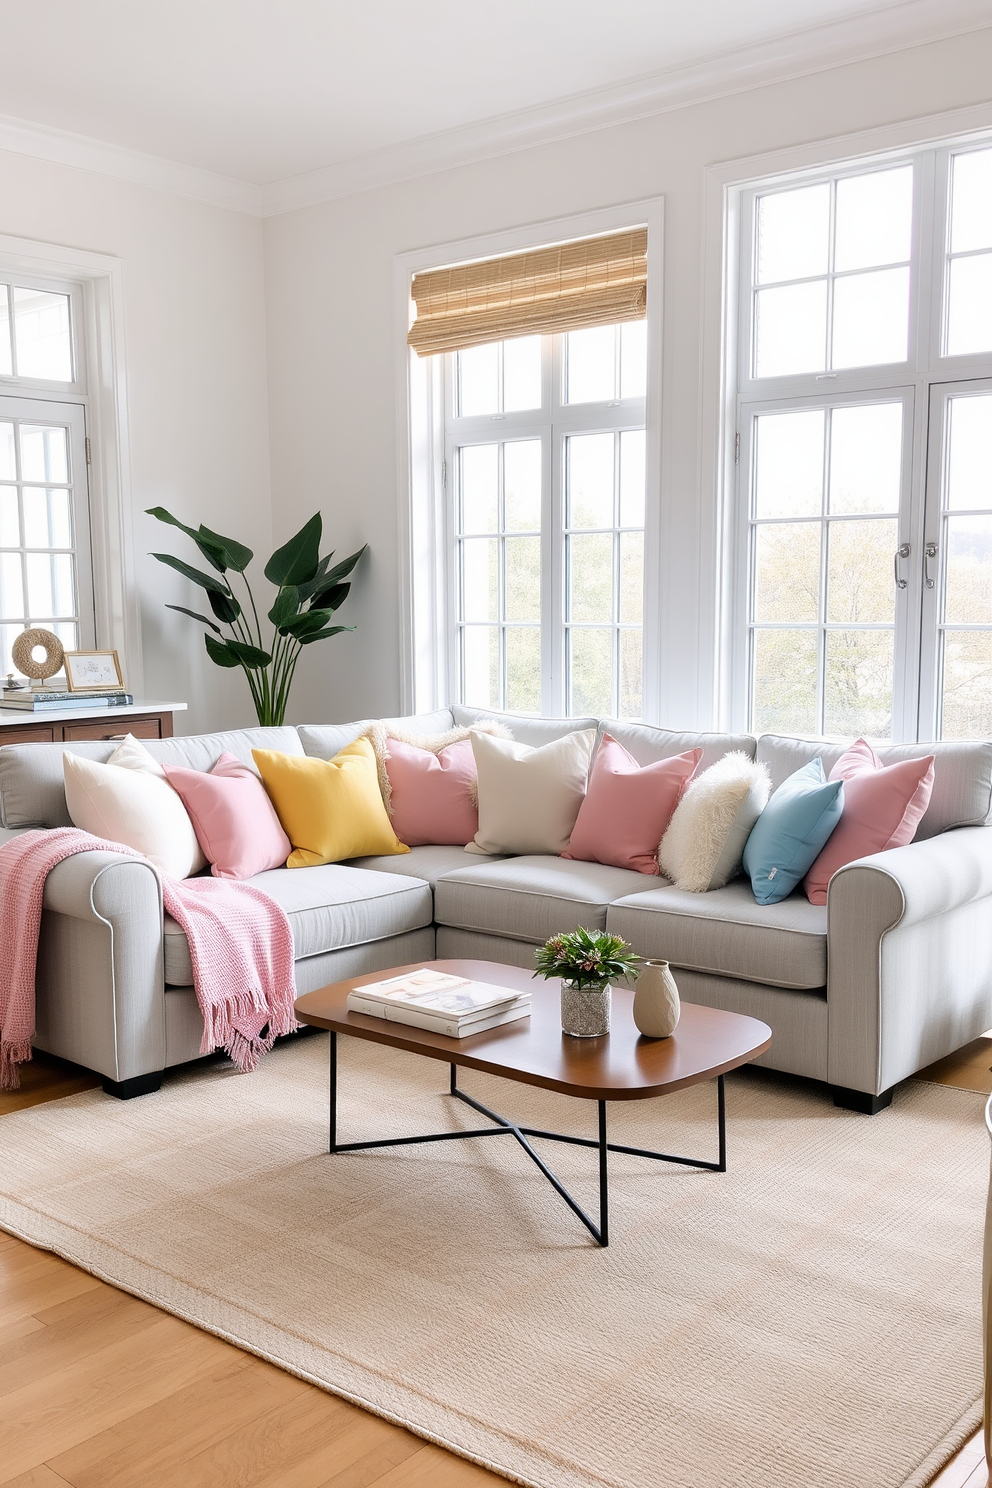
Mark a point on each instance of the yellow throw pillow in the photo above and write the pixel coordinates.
(329, 809)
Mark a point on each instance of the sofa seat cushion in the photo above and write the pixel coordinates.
(329, 907)
(530, 898)
(725, 932)
(428, 862)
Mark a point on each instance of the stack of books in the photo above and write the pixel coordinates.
(452, 1005)
(34, 700)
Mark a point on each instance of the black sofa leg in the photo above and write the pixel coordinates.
(137, 1085)
(860, 1100)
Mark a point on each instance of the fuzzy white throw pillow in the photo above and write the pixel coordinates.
(704, 844)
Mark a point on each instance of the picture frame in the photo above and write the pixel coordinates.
(93, 671)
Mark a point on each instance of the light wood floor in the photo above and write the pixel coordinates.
(100, 1390)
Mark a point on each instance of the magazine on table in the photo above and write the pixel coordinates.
(438, 992)
(451, 1027)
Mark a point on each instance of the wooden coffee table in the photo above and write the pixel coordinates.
(622, 1065)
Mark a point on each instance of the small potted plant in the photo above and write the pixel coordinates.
(586, 961)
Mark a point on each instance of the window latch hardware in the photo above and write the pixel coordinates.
(930, 551)
(901, 552)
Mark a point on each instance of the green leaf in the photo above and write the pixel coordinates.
(287, 605)
(343, 569)
(296, 562)
(194, 616)
(319, 581)
(331, 599)
(321, 635)
(236, 555)
(210, 546)
(225, 607)
(249, 656)
(205, 581)
(218, 651)
(305, 624)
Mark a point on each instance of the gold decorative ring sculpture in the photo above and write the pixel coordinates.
(24, 646)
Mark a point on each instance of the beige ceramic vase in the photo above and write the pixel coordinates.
(656, 1000)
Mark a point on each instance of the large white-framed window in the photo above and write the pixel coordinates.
(862, 428)
(66, 541)
(532, 574)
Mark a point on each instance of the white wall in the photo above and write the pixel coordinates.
(331, 351)
(195, 346)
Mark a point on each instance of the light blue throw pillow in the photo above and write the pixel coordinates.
(790, 833)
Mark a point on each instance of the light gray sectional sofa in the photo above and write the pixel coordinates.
(895, 972)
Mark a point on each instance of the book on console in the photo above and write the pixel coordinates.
(430, 991)
(49, 702)
(437, 1022)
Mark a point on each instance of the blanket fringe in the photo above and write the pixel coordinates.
(11, 1055)
(236, 1026)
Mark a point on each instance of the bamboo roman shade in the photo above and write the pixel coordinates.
(596, 281)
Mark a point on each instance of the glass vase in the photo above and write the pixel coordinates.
(585, 1011)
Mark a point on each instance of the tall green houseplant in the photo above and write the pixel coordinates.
(309, 592)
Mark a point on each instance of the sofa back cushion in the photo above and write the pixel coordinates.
(325, 740)
(962, 774)
(648, 745)
(532, 731)
(32, 789)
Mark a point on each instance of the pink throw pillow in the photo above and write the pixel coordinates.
(432, 794)
(234, 820)
(627, 807)
(883, 805)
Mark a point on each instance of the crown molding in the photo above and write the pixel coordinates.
(885, 29)
(21, 137)
(882, 30)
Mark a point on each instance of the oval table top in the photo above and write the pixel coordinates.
(622, 1065)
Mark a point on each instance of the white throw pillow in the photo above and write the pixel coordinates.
(704, 844)
(129, 801)
(529, 798)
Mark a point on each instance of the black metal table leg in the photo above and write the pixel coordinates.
(721, 1117)
(604, 1187)
(333, 1144)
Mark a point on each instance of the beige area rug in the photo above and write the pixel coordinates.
(810, 1318)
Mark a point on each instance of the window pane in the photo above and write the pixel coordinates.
(10, 531)
(11, 587)
(968, 572)
(858, 692)
(480, 662)
(966, 695)
(790, 330)
(480, 488)
(969, 467)
(522, 485)
(41, 335)
(591, 672)
(971, 201)
(8, 635)
(50, 587)
(789, 464)
(6, 365)
(784, 681)
(47, 521)
(874, 219)
(523, 669)
(478, 380)
(8, 467)
(591, 365)
(860, 588)
(590, 578)
(866, 458)
(631, 577)
(871, 319)
(632, 451)
(787, 572)
(480, 578)
(969, 305)
(523, 578)
(590, 480)
(793, 234)
(44, 453)
(522, 373)
(631, 703)
(633, 359)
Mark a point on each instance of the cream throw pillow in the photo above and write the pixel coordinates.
(529, 798)
(129, 800)
(704, 844)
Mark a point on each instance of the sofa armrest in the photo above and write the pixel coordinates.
(101, 979)
(909, 958)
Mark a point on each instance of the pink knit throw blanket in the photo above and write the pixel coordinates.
(240, 944)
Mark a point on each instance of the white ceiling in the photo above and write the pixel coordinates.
(262, 90)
